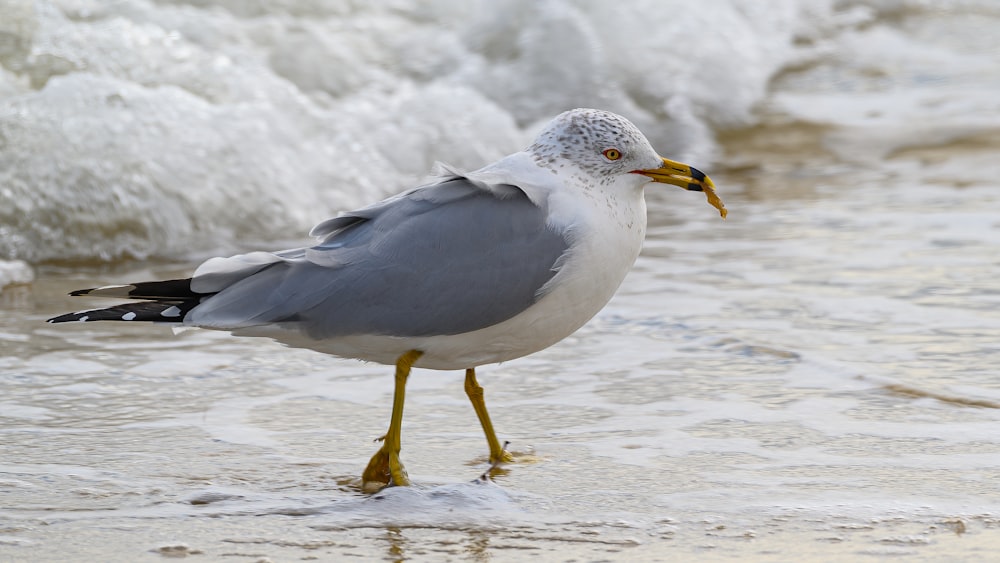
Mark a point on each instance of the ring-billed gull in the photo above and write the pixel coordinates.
(471, 269)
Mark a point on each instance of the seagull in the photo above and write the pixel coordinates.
(472, 268)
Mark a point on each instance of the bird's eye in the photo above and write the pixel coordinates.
(612, 154)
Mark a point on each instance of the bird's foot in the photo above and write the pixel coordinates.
(502, 457)
(383, 470)
(499, 466)
(496, 460)
(505, 456)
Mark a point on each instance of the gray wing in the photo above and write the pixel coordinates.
(447, 258)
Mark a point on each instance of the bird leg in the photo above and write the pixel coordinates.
(497, 453)
(385, 468)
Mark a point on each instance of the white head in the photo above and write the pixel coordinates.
(603, 145)
(605, 149)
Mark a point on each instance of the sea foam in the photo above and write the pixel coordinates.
(140, 128)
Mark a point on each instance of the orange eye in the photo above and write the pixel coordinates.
(612, 154)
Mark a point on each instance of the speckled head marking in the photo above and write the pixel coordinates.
(603, 145)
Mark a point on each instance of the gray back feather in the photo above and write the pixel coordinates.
(447, 258)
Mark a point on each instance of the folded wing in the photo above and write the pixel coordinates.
(447, 258)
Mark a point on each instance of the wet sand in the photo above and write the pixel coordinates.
(813, 379)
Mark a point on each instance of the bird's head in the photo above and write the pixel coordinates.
(609, 149)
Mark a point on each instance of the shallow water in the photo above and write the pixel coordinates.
(802, 381)
(813, 379)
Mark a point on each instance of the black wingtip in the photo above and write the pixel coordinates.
(80, 292)
(151, 311)
(79, 316)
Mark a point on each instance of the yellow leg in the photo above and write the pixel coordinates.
(475, 393)
(385, 467)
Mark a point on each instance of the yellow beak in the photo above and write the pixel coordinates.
(686, 177)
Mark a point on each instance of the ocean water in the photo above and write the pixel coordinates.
(812, 379)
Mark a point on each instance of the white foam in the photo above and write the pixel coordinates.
(180, 128)
(14, 272)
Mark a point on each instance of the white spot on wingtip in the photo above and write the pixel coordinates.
(171, 311)
(128, 316)
(83, 319)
